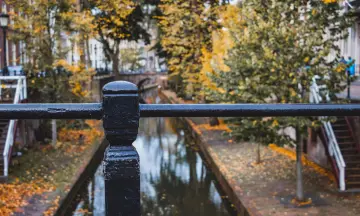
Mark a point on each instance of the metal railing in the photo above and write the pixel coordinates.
(20, 95)
(120, 111)
(333, 146)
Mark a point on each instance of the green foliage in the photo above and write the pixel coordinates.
(130, 59)
(186, 28)
(277, 51)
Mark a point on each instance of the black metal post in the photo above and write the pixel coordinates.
(121, 116)
(348, 84)
(5, 50)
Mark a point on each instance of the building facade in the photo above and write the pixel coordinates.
(13, 50)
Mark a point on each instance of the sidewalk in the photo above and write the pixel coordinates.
(354, 91)
(268, 188)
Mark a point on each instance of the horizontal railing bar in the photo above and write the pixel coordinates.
(249, 110)
(12, 77)
(94, 110)
(51, 111)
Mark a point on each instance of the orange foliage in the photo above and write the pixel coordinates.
(305, 161)
(13, 195)
(53, 208)
(89, 135)
(220, 127)
(303, 203)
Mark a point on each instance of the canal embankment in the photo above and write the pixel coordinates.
(267, 188)
(45, 178)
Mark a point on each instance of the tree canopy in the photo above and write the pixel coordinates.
(275, 49)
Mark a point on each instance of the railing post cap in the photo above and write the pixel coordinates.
(120, 87)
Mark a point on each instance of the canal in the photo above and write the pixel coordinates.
(174, 178)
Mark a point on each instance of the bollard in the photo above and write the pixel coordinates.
(121, 160)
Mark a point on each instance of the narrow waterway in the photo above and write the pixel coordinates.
(174, 178)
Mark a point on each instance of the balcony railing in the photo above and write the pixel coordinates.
(120, 111)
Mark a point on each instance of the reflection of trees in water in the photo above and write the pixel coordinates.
(177, 195)
(86, 203)
(173, 174)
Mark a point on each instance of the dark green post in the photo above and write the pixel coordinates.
(121, 161)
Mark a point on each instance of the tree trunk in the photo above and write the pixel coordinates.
(258, 156)
(82, 49)
(115, 67)
(54, 131)
(299, 175)
(88, 62)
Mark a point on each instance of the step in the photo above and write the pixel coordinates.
(352, 163)
(353, 177)
(346, 146)
(352, 170)
(342, 124)
(340, 127)
(353, 182)
(351, 157)
(341, 131)
(346, 143)
(341, 139)
(349, 150)
(352, 185)
(343, 134)
(344, 137)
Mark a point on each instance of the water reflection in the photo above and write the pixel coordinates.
(174, 180)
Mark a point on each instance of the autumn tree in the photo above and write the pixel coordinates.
(43, 27)
(278, 47)
(186, 27)
(116, 21)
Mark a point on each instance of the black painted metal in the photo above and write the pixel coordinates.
(121, 162)
(237, 110)
(348, 84)
(51, 111)
(94, 111)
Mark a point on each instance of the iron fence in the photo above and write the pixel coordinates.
(120, 111)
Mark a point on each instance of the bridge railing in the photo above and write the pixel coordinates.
(120, 111)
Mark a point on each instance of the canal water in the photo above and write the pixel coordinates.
(174, 178)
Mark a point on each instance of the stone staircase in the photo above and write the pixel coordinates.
(350, 151)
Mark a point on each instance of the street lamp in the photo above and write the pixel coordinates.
(4, 21)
